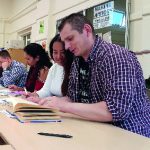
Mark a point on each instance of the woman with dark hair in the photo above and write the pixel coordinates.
(65, 61)
(58, 76)
(39, 63)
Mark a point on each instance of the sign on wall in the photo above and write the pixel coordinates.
(103, 15)
(41, 26)
(110, 20)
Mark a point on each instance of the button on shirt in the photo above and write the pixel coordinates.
(115, 77)
(15, 74)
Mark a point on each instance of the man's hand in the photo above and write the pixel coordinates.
(33, 99)
(56, 102)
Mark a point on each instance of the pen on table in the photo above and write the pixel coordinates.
(41, 121)
(55, 135)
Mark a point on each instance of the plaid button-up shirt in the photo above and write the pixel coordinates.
(15, 74)
(115, 77)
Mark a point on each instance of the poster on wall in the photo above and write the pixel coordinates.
(41, 26)
(103, 15)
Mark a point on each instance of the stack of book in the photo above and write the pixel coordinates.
(26, 111)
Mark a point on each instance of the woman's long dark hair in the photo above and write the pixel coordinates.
(67, 64)
(34, 50)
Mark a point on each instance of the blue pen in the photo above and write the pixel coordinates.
(39, 121)
(43, 121)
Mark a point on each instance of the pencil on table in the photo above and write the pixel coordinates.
(25, 90)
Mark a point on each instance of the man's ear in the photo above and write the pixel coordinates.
(87, 28)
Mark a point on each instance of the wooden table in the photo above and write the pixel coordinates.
(86, 136)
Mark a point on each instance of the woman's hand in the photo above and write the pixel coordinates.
(33, 99)
(29, 94)
(56, 102)
(14, 88)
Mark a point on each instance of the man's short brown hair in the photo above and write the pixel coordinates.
(77, 22)
(4, 54)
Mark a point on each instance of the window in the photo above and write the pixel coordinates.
(27, 39)
(25, 35)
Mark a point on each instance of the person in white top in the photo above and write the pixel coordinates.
(53, 82)
(56, 83)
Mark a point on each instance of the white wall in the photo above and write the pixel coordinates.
(42, 15)
(5, 11)
(1, 32)
(27, 14)
(145, 64)
(21, 17)
(140, 31)
(139, 25)
(59, 9)
(5, 8)
(20, 5)
(68, 7)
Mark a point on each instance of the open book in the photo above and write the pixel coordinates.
(27, 111)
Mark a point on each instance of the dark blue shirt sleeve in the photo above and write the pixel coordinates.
(119, 84)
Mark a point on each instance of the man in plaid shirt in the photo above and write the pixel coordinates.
(106, 81)
(13, 72)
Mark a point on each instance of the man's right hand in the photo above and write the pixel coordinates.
(5, 65)
(33, 99)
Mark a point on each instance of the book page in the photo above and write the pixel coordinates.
(16, 100)
(21, 104)
(16, 103)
